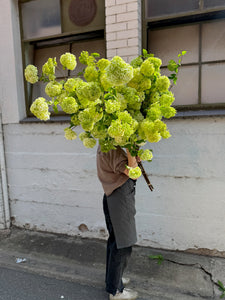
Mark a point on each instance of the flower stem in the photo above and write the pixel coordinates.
(145, 176)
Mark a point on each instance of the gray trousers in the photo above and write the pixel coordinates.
(121, 205)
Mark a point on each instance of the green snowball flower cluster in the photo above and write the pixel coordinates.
(40, 109)
(86, 59)
(145, 154)
(136, 62)
(114, 102)
(118, 72)
(153, 131)
(48, 68)
(102, 64)
(91, 74)
(69, 105)
(134, 173)
(163, 83)
(139, 81)
(147, 68)
(53, 89)
(31, 74)
(86, 119)
(83, 135)
(75, 120)
(112, 106)
(99, 131)
(166, 99)
(71, 84)
(156, 62)
(68, 61)
(88, 90)
(122, 128)
(70, 134)
(89, 142)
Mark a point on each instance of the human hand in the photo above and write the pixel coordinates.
(138, 159)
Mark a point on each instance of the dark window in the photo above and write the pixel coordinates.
(51, 28)
(213, 3)
(167, 7)
(200, 80)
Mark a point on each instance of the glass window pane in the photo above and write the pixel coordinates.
(169, 42)
(186, 90)
(213, 41)
(90, 46)
(41, 56)
(40, 18)
(213, 3)
(213, 87)
(39, 91)
(156, 8)
(83, 15)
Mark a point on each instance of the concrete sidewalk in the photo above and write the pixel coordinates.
(80, 261)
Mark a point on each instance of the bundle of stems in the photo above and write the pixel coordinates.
(145, 176)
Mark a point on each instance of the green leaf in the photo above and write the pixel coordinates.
(49, 102)
(160, 258)
(221, 285)
(55, 108)
(145, 52)
(173, 66)
(140, 141)
(183, 52)
(173, 76)
(221, 289)
(95, 54)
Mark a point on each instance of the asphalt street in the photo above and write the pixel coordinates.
(22, 285)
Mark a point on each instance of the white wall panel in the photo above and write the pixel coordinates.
(53, 184)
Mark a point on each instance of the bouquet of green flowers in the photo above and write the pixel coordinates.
(116, 103)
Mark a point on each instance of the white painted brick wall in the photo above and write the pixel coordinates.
(132, 6)
(117, 44)
(115, 27)
(111, 19)
(123, 28)
(115, 10)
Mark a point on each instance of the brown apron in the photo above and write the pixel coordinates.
(121, 204)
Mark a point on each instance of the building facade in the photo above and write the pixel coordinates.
(52, 183)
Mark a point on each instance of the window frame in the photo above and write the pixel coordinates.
(188, 18)
(49, 41)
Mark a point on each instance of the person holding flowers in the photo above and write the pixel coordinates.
(120, 105)
(119, 210)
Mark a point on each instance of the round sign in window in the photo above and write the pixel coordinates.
(82, 12)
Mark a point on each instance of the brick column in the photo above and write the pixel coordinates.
(123, 28)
